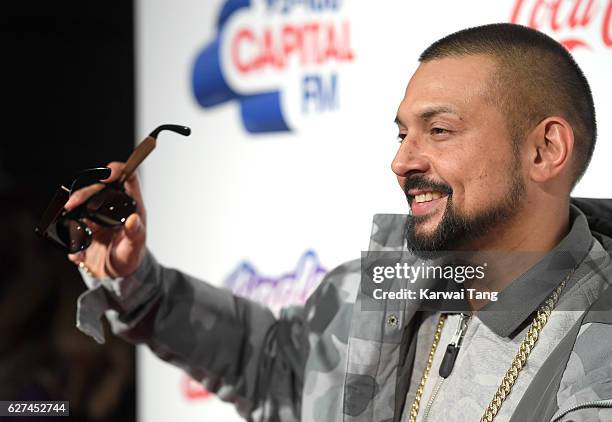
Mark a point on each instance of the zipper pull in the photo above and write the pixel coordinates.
(452, 350)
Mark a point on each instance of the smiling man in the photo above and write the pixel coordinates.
(481, 119)
(496, 126)
(457, 163)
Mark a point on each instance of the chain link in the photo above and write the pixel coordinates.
(518, 363)
(414, 410)
(525, 348)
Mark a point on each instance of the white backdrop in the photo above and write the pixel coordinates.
(263, 204)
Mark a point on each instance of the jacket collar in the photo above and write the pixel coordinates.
(527, 292)
(524, 295)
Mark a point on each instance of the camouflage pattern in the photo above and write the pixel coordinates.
(326, 360)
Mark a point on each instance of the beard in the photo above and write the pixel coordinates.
(456, 229)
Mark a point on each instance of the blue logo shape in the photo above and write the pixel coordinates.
(290, 288)
(260, 112)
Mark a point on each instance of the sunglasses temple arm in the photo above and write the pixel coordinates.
(146, 147)
(54, 209)
(182, 130)
(138, 156)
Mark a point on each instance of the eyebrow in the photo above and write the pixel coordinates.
(429, 112)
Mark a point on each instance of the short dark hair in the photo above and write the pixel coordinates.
(536, 77)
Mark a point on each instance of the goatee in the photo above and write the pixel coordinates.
(456, 230)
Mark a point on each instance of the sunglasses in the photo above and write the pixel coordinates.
(109, 207)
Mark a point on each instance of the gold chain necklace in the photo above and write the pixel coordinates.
(414, 410)
(519, 361)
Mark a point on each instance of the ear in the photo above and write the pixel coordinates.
(550, 149)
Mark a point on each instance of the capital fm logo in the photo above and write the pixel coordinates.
(280, 60)
(577, 24)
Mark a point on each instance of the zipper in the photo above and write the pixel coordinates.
(452, 350)
(432, 398)
(590, 404)
(448, 361)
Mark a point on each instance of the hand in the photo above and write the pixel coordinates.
(114, 252)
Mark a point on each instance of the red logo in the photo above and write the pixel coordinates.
(193, 390)
(313, 42)
(560, 17)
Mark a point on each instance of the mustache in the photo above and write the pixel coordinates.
(420, 182)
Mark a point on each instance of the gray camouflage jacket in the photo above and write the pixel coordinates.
(326, 360)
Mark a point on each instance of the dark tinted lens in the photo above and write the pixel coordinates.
(75, 235)
(110, 207)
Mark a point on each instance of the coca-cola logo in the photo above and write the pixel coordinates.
(574, 23)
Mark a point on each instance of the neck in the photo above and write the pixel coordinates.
(519, 244)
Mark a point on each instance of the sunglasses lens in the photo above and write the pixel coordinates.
(75, 235)
(110, 207)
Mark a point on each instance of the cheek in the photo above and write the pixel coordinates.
(481, 178)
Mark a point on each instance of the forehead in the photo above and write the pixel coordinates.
(461, 83)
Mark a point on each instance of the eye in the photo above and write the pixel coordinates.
(400, 137)
(439, 131)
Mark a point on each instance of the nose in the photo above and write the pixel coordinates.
(409, 159)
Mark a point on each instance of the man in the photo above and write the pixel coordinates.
(497, 125)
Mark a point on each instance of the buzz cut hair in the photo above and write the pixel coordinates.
(535, 77)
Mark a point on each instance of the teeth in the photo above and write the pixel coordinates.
(428, 196)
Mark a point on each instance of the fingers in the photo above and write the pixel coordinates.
(116, 171)
(132, 187)
(131, 184)
(77, 258)
(115, 251)
(92, 259)
(80, 196)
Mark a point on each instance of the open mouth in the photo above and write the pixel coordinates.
(426, 202)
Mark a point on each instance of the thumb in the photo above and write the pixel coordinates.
(134, 228)
(127, 254)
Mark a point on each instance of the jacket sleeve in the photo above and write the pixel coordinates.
(585, 391)
(234, 346)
